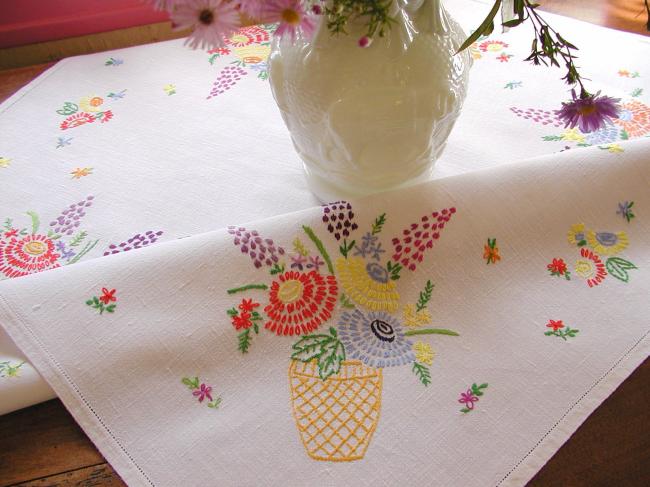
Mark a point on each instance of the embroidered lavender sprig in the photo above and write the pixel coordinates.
(339, 218)
(70, 218)
(137, 241)
(261, 251)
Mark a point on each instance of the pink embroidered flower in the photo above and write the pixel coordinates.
(27, 255)
(292, 17)
(468, 399)
(589, 112)
(76, 120)
(556, 325)
(107, 296)
(203, 392)
(211, 21)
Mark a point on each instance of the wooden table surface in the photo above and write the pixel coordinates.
(43, 446)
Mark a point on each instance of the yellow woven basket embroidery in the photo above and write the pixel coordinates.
(336, 417)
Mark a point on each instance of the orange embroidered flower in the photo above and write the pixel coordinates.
(80, 172)
(96, 101)
(299, 302)
(491, 251)
(634, 117)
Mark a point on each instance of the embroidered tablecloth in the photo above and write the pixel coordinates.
(112, 152)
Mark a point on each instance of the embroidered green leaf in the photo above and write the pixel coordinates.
(191, 383)
(89, 302)
(232, 312)
(310, 347)
(244, 341)
(89, 246)
(425, 296)
(326, 349)
(321, 248)
(329, 362)
(35, 221)
(277, 269)
(378, 223)
(618, 268)
(252, 286)
(78, 238)
(346, 303)
(477, 390)
(394, 270)
(68, 109)
(345, 248)
(624, 134)
(300, 248)
(110, 308)
(215, 404)
(550, 138)
(431, 331)
(8, 223)
(465, 410)
(422, 373)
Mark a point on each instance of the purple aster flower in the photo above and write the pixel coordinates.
(298, 261)
(315, 263)
(589, 112)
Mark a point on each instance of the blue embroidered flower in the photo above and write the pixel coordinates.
(376, 338)
(370, 246)
(377, 272)
(63, 141)
(605, 135)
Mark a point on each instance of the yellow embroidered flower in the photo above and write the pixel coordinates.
(367, 284)
(252, 54)
(576, 235)
(613, 148)
(607, 243)
(423, 353)
(90, 104)
(80, 172)
(413, 318)
(169, 89)
(585, 268)
(573, 135)
(4, 162)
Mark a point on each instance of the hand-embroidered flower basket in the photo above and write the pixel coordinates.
(336, 417)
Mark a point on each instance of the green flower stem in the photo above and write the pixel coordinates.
(321, 248)
(247, 287)
(431, 331)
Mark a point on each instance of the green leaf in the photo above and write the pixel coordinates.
(512, 23)
(425, 296)
(110, 308)
(624, 135)
(549, 138)
(618, 268)
(89, 302)
(35, 221)
(345, 302)
(378, 223)
(95, 301)
(485, 25)
(422, 373)
(465, 410)
(77, 239)
(232, 312)
(483, 386)
(244, 341)
(321, 248)
(310, 347)
(329, 361)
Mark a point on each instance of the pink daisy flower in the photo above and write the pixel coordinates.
(253, 8)
(589, 112)
(210, 20)
(292, 16)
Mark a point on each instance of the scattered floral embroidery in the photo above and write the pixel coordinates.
(105, 302)
(63, 141)
(471, 396)
(504, 58)
(625, 210)
(202, 391)
(624, 73)
(9, 370)
(169, 89)
(513, 84)
(80, 172)
(636, 92)
(117, 96)
(4, 161)
(245, 318)
(227, 78)
(559, 268)
(613, 148)
(87, 110)
(136, 242)
(558, 329)
(25, 252)
(491, 251)
(113, 62)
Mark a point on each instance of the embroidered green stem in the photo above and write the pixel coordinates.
(98, 305)
(89, 246)
(321, 248)
(431, 331)
(422, 373)
(345, 248)
(35, 221)
(425, 296)
(8, 224)
(52, 235)
(563, 333)
(378, 223)
(215, 404)
(8, 370)
(247, 287)
(78, 238)
(346, 303)
(300, 248)
(277, 269)
(244, 339)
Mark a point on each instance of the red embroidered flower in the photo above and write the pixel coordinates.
(106, 116)
(27, 255)
(556, 325)
(77, 119)
(247, 305)
(493, 46)
(557, 267)
(299, 302)
(242, 321)
(11, 233)
(107, 296)
(219, 50)
(248, 35)
(590, 267)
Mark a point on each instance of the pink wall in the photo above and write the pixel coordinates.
(29, 21)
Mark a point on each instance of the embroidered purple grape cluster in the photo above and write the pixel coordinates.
(137, 241)
(339, 219)
(70, 218)
(262, 251)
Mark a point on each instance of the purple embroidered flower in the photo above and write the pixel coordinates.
(135, 242)
(298, 261)
(261, 251)
(589, 112)
(468, 399)
(203, 392)
(339, 216)
(315, 262)
(625, 210)
(70, 218)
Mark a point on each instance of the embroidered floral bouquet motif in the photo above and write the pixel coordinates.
(336, 373)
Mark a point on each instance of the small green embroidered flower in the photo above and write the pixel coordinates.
(471, 396)
(558, 329)
(201, 391)
(9, 370)
(104, 302)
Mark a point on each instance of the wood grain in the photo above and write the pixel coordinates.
(43, 446)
